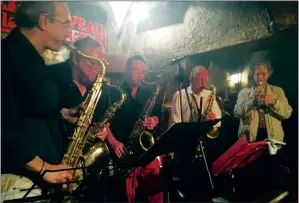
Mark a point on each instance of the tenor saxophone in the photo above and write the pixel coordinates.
(139, 140)
(74, 156)
(96, 153)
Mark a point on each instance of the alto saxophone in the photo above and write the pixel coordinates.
(74, 156)
(139, 140)
(214, 132)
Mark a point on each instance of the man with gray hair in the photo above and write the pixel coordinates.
(258, 125)
(261, 109)
(181, 112)
(185, 105)
(31, 137)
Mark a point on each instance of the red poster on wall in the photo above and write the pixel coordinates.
(86, 20)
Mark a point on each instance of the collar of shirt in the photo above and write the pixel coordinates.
(23, 49)
(126, 87)
(204, 93)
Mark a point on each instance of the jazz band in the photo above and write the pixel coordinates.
(56, 116)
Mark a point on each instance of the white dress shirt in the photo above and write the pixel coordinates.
(176, 108)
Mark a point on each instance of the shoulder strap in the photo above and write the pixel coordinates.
(189, 103)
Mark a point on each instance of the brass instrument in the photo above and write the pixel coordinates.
(96, 152)
(75, 155)
(139, 140)
(262, 106)
(214, 132)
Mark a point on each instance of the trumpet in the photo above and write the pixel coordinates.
(261, 105)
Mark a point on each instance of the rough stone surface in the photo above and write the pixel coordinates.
(206, 27)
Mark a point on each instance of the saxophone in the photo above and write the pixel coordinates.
(74, 156)
(96, 153)
(214, 132)
(139, 140)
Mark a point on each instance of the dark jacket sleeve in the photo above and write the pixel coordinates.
(16, 144)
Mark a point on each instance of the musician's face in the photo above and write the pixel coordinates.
(90, 68)
(137, 74)
(56, 28)
(261, 74)
(200, 80)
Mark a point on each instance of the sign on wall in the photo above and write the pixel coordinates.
(86, 20)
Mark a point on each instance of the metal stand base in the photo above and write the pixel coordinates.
(205, 161)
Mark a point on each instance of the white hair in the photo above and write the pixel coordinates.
(196, 70)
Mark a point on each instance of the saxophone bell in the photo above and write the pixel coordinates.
(146, 140)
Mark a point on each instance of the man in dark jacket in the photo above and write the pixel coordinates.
(31, 138)
(123, 125)
(74, 79)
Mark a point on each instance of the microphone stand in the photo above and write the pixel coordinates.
(180, 79)
(201, 148)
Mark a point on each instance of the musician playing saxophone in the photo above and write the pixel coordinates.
(197, 90)
(122, 126)
(75, 77)
(31, 139)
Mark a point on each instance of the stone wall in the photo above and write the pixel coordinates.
(207, 26)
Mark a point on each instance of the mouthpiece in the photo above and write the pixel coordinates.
(71, 47)
(261, 83)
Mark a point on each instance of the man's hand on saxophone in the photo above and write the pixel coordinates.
(37, 165)
(60, 176)
(71, 115)
(104, 133)
(211, 116)
(151, 122)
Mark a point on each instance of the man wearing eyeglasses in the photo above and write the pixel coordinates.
(31, 137)
(74, 78)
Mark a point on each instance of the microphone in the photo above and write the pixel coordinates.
(177, 60)
(180, 75)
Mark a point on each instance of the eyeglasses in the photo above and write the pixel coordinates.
(65, 24)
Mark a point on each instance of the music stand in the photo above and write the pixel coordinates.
(171, 141)
(237, 156)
